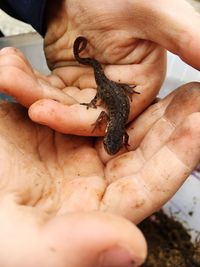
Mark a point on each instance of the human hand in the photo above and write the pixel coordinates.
(63, 205)
(129, 37)
(123, 32)
(132, 51)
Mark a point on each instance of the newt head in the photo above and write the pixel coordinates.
(114, 141)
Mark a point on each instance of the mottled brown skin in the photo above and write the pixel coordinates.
(115, 97)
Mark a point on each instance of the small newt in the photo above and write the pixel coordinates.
(115, 97)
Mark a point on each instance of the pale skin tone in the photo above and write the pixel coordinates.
(64, 202)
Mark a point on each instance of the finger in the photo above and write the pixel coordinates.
(13, 56)
(74, 119)
(17, 80)
(145, 191)
(173, 110)
(175, 31)
(93, 239)
(80, 76)
(82, 96)
(76, 239)
(26, 90)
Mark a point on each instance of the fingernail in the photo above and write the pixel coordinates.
(117, 257)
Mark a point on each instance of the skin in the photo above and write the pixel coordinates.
(58, 206)
(57, 195)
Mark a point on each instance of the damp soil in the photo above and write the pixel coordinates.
(169, 243)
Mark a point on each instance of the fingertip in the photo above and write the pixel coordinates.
(13, 52)
(10, 50)
(36, 109)
(50, 113)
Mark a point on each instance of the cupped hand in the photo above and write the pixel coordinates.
(122, 32)
(128, 37)
(63, 205)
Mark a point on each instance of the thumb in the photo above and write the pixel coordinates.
(174, 25)
(94, 239)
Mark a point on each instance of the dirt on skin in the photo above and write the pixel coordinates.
(169, 243)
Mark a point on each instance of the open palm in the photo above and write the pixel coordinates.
(50, 182)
